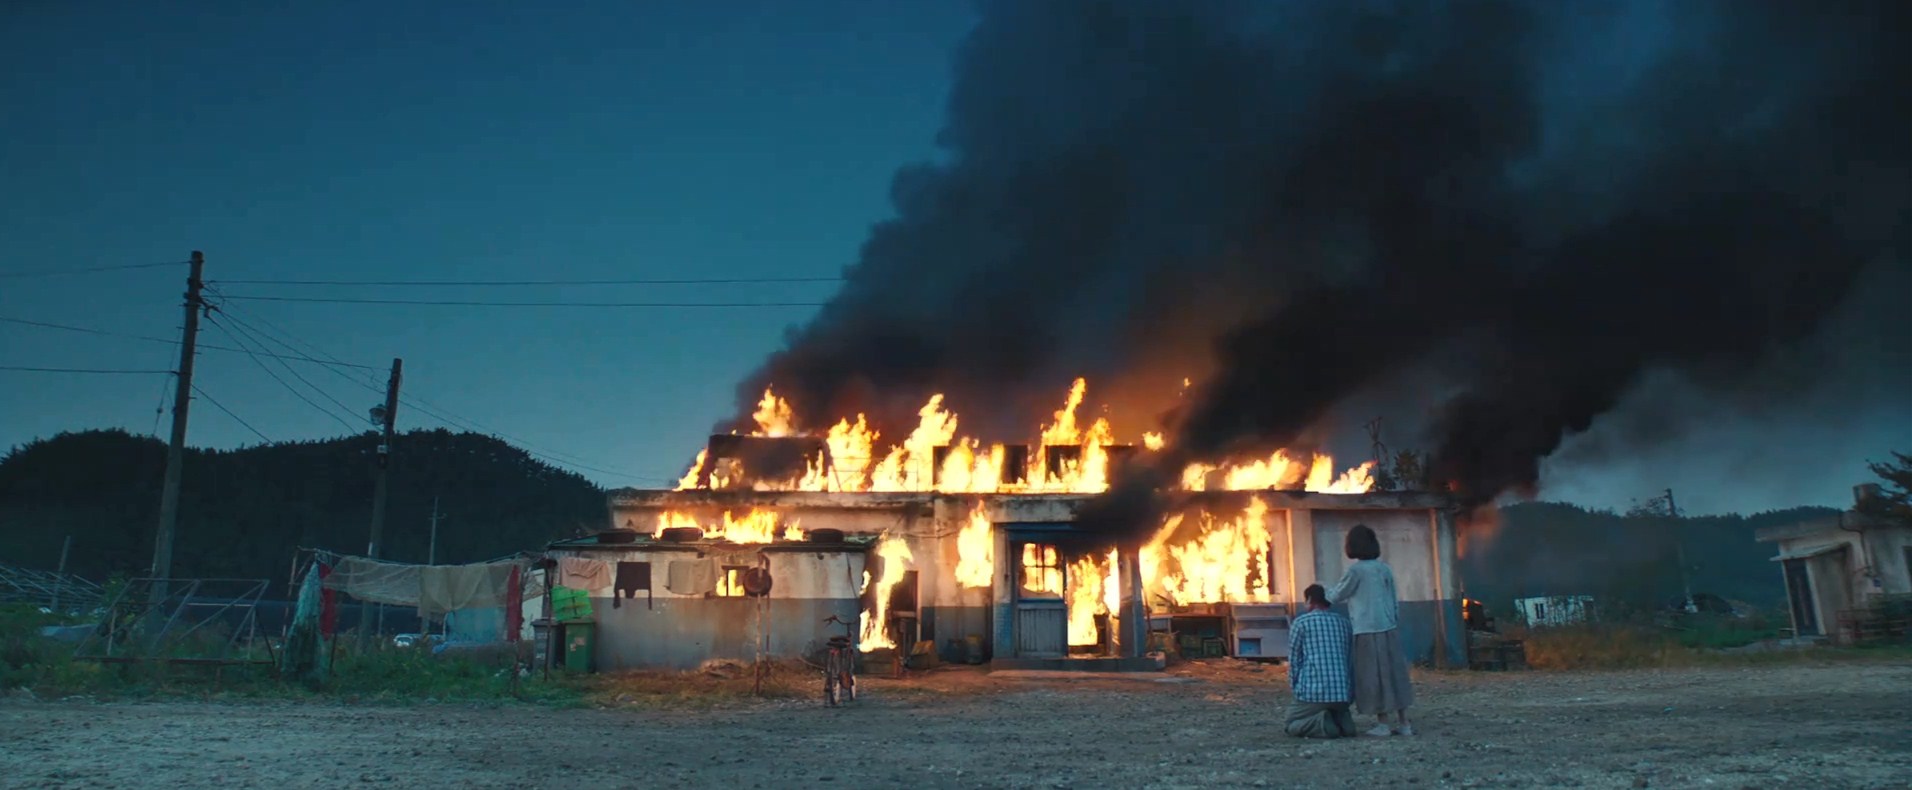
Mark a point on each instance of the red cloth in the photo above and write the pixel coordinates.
(514, 606)
(328, 604)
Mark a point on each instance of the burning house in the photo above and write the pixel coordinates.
(975, 550)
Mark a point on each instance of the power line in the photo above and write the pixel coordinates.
(282, 382)
(254, 340)
(87, 270)
(170, 342)
(445, 416)
(473, 303)
(77, 370)
(235, 417)
(519, 283)
(290, 342)
(159, 408)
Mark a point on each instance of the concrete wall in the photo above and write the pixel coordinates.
(1419, 546)
(1418, 541)
(667, 630)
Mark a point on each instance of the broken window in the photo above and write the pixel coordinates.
(730, 582)
(1061, 459)
(1015, 464)
(1041, 570)
(938, 456)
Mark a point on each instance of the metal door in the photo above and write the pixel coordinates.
(1042, 617)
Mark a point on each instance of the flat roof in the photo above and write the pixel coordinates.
(821, 500)
(856, 543)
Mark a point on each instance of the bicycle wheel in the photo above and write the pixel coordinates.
(830, 681)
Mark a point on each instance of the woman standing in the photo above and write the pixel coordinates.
(1381, 685)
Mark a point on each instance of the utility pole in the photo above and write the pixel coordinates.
(387, 415)
(59, 582)
(431, 556)
(175, 450)
(1679, 548)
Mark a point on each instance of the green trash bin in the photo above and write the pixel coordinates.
(580, 645)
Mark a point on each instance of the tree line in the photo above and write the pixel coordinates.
(243, 513)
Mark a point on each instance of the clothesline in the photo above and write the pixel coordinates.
(434, 589)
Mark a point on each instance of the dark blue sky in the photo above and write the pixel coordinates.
(477, 141)
(492, 140)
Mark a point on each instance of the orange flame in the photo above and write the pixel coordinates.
(1092, 592)
(1221, 561)
(774, 417)
(755, 526)
(976, 551)
(855, 461)
(875, 625)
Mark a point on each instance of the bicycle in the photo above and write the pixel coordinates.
(839, 667)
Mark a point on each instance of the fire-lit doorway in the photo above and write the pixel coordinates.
(1065, 594)
(1042, 613)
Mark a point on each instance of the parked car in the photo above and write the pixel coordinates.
(414, 640)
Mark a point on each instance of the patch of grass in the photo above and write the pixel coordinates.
(1695, 642)
(49, 670)
(1718, 632)
(414, 674)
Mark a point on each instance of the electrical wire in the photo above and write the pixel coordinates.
(474, 303)
(349, 428)
(521, 283)
(87, 270)
(235, 417)
(159, 409)
(445, 416)
(254, 341)
(77, 370)
(150, 339)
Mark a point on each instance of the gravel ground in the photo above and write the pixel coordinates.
(1208, 725)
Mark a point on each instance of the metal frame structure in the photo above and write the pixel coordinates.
(151, 619)
(47, 588)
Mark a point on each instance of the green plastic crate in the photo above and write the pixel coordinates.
(570, 604)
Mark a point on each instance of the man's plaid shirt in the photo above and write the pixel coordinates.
(1319, 647)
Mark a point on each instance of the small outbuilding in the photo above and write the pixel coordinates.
(1839, 569)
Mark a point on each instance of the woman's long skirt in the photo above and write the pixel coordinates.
(1380, 673)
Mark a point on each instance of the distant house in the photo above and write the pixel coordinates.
(1836, 566)
(1554, 610)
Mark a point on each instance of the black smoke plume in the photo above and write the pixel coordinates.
(1294, 202)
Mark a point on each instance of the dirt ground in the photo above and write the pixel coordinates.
(1209, 725)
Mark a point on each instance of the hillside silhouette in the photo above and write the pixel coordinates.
(1552, 548)
(243, 512)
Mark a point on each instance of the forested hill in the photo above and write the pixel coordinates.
(242, 512)
(1550, 548)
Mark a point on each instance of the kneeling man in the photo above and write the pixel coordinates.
(1318, 671)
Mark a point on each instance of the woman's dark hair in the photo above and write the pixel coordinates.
(1362, 544)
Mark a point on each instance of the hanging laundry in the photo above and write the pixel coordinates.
(692, 577)
(632, 578)
(514, 606)
(372, 581)
(328, 603)
(446, 588)
(580, 573)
